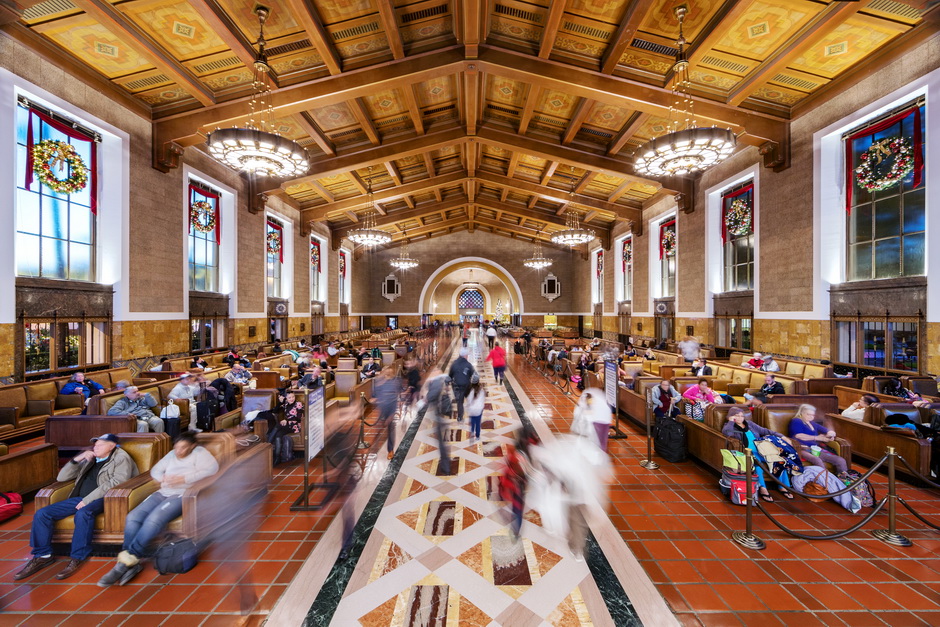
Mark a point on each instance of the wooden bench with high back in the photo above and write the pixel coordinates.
(870, 437)
(75, 432)
(29, 469)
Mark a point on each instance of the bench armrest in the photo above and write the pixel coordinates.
(8, 416)
(69, 401)
(53, 493)
(121, 499)
(736, 389)
(40, 408)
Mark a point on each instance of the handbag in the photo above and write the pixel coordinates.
(733, 460)
(818, 489)
(171, 410)
(769, 451)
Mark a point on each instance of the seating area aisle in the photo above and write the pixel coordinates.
(440, 552)
(678, 525)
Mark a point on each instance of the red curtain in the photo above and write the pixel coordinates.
(280, 231)
(726, 200)
(214, 199)
(665, 226)
(72, 134)
(877, 128)
(315, 245)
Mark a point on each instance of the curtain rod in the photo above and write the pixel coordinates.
(918, 102)
(58, 117)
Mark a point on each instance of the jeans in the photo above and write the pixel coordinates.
(475, 426)
(150, 424)
(825, 457)
(459, 393)
(147, 520)
(498, 372)
(441, 444)
(387, 415)
(40, 537)
(490, 341)
(283, 444)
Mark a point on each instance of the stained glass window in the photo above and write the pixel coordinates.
(470, 299)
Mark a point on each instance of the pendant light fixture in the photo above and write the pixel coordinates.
(403, 261)
(573, 234)
(369, 234)
(537, 261)
(257, 147)
(686, 147)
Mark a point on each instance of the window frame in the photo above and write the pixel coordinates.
(730, 332)
(219, 325)
(208, 240)
(668, 263)
(627, 269)
(93, 347)
(849, 344)
(45, 196)
(274, 272)
(315, 272)
(731, 262)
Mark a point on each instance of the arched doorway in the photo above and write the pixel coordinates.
(442, 289)
(471, 305)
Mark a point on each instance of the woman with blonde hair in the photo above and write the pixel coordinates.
(814, 439)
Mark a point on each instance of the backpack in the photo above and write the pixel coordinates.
(11, 504)
(734, 486)
(670, 439)
(177, 555)
(445, 406)
(861, 490)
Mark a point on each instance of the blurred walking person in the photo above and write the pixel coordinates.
(476, 402)
(386, 389)
(514, 479)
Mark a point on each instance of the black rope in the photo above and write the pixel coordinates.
(831, 536)
(848, 488)
(918, 516)
(918, 475)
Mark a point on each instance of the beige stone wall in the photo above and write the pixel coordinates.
(932, 349)
(239, 330)
(797, 338)
(7, 332)
(147, 338)
(702, 329)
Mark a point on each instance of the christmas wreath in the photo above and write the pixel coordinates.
(600, 264)
(738, 218)
(273, 243)
(903, 152)
(315, 256)
(50, 153)
(627, 252)
(202, 216)
(669, 243)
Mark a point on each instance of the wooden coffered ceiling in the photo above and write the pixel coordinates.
(472, 114)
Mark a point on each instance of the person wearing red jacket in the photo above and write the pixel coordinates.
(498, 357)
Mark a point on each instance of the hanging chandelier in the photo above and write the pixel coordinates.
(573, 234)
(369, 234)
(686, 147)
(403, 261)
(537, 261)
(257, 148)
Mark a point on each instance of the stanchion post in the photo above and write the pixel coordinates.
(362, 444)
(891, 535)
(746, 538)
(649, 463)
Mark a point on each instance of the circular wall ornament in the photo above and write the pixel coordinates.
(867, 174)
(280, 308)
(48, 154)
(202, 216)
(661, 308)
(738, 218)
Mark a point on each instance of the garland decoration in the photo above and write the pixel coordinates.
(738, 218)
(274, 243)
(600, 263)
(202, 216)
(48, 154)
(898, 147)
(315, 255)
(668, 242)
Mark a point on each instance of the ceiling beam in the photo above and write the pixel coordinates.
(513, 163)
(472, 100)
(756, 128)
(620, 191)
(396, 217)
(804, 38)
(310, 126)
(112, 19)
(222, 25)
(187, 128)
(429, 163)
(585, 181)
(460, 220)
(322, 191)
(556, 12)
(532, 96)
(306, 13)
(522, 211)
(365, 156)
(390, 26)
(414, 110)
(712, 32)
(470, 149)
(556, 195)
(624, 34)
(394, 193)
(357, 182)
(471, 20)
(602, 234)
(548, 172)
(636, 121)
(581, 111)
(359, 111)
(564, 154)
(393, 172)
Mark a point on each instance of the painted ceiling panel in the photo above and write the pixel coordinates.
(333, 11)
(766, 26)
(505, 91)
(384, 104)
(435, 92)
(333, 117)
(103, 50)
(280, 22)
(846, 44)
(608, 117)
(610, 11)
(660, 19)
(175, 26)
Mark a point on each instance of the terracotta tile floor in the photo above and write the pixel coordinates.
(673, 519)
(678, 525)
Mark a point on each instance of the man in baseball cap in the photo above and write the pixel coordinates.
(94, 472)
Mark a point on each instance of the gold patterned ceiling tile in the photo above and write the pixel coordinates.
(175, 26)
(847, 44)
(556, 103)
(333, 11)
(660, 19)
(579, 46)
(608, 117)
(512, 29)
(229, 80)
(610, 11)
(384, 104)
(713, 80)
(505, 91)
(765, 26)
(653, 127)
(333, 117)
(529, 160)
(435, 92)
(94, 44)
(297, 62)
(375, 43)
(280, 22)
(773, 93)
(428, 30)
(646, 61)
(164, 95)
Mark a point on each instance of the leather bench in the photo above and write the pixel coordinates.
(28, 470)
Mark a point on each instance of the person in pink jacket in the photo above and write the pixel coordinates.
(700, 396)
(498, 357)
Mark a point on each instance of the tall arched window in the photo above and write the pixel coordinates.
(55, 230)
(737, 233)
(204, 230)
(274, 256)
(470, 299)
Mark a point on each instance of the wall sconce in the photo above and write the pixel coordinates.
(639, 326)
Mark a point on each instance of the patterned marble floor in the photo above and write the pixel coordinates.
(441, 554)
